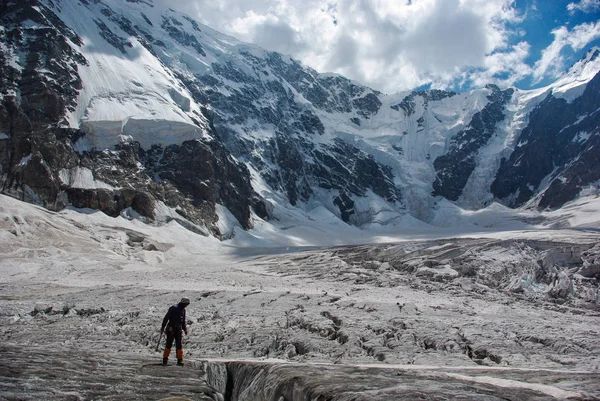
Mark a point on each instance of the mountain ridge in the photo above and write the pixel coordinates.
(156, 114)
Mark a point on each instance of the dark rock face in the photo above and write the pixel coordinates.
(560, 142)
(28, 120)
(115, 40)
(36, 151)
(454, 168)
(45, 97)
(408, 103)
(190, 178)
(205, 173)
(340, 167)
(346, 206)
(310, 123)
(583, 171)
(367, 105)
(290, 161)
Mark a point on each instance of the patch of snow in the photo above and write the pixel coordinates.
(583, 212)
(574, 82)
(581, 136)
(25, 160)
(551, 391)
(182, 101)
(81, 177)
(227, 223)
(104, 134)
(444, 270)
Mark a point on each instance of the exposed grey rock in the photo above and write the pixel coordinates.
(454, 168)
(175, 30)
(408, 103)
(115, 40)
(192, 177)
(550, 145)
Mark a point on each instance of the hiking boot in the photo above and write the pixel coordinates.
(165, 361)
(180, 362)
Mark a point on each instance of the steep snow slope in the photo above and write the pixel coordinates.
(127, 91)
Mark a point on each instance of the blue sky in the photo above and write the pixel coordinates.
(542, 17)
(396, 45)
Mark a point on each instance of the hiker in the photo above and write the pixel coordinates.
(174, 324)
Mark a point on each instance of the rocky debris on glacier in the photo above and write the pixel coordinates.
(492, 330)
(46, 374)
(499, 314)
(261, 346)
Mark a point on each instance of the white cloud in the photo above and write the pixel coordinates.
(271, 33)
(586, 6)
(395, 45)
(504, 68)
(389, 45)
(552, 62)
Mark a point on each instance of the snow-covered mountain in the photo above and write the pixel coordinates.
(127, 107)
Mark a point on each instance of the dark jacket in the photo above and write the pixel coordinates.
(175, 318)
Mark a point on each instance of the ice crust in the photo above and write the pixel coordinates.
(402, 309)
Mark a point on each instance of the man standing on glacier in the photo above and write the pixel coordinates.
(174, 325)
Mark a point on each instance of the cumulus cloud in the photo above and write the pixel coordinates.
(552, 62)
(274, 34)
(451, 37)
(402, 45)
(586, 6)
(505, 68)
(390, 45)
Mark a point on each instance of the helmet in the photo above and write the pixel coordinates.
(185, 301)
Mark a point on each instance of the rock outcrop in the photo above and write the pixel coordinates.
(39, 161)
(559, 145)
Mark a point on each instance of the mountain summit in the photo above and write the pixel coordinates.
(131, 108)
